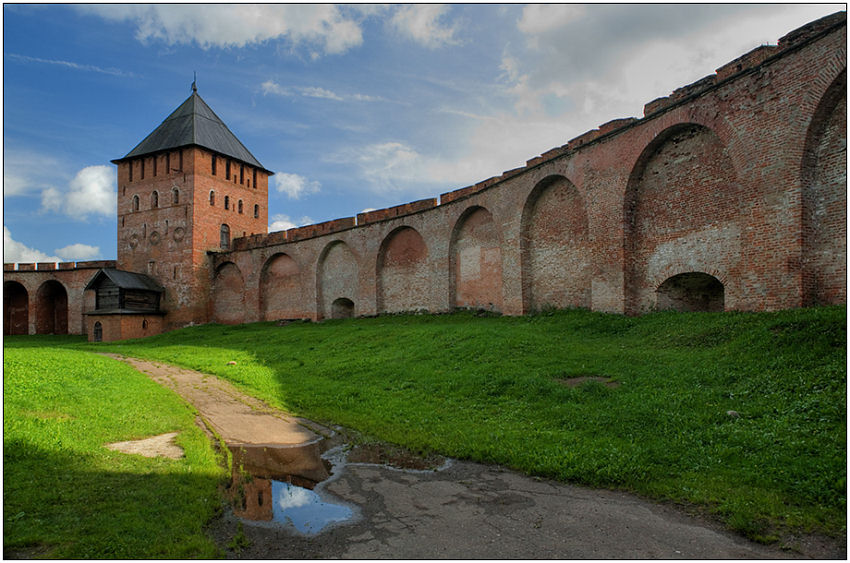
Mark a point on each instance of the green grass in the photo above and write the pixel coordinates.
(491, 389)
(64, 494)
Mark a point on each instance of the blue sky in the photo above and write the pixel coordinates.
(353, 107)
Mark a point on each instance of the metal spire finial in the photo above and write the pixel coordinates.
(194, 80)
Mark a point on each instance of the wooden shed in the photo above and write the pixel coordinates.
(127, 305)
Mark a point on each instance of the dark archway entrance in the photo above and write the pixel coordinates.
(342, 308)
(51, 309)
(15, 308)
(692, 291)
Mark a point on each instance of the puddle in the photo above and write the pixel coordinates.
(305, 509)
(279, 485)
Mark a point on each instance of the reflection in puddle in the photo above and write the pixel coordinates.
(282, 485)
(274, 484)
(304, 509)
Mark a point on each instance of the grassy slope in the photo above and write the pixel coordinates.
(487, 389)
(64, 494)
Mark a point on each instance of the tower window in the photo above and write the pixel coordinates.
(181, 160)
(227, 170)
(135, 203)
(175, 196)
(256, 212)
(142, 171)
(130, 167)
(155, 158)
(240, 207)
(213, 165)
(227, 202)
(255, 177)
(241, 174)
(212, 197)
(225, 237)
(155, 199)
(167, 163)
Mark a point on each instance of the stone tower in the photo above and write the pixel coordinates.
(188, 188)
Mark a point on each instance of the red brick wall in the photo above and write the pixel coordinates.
(338, 278)
(122, 327)
(48, 300)
(281, 290)
(556, 250)
(739, 177)
(404, 276)
(476, 257)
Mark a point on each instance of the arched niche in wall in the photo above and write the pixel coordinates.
(475, 265)
(338, 277)
(824, 182)
(682, 206)
(228, 295)
(403, 276)
(342, 308)
(556, 254)
(15, 308)
(280, 289)
(691, 291)
(51, 308)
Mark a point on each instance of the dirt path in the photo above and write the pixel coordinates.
(460, 511)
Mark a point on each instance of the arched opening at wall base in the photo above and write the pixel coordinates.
(15, 308)
(52, 311)
(691, 291)
(342, 308)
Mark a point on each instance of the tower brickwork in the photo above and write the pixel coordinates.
(189, 188)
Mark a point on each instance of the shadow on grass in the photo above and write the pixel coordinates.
(57, 505)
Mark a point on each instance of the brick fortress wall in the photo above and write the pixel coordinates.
(736, 184)
(728, 194)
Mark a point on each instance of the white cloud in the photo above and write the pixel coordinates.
(69, 64)
(322, 26)
(295, 186)
(421, 23)
(386, 167)
(14, 251)
(28, 172)
(539, 18)
(90, 192)
(282, 222)
(78, 251)
(272, 87)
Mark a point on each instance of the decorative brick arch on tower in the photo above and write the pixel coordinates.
(824, 199)
(337, 277)
(475, 261)
(228, 295)
(403, 273)
(683, 205)
(281, 293)
(555, 250)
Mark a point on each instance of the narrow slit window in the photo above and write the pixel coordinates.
(256, 212)
(227, 202)
(240, 207)
(212, 197)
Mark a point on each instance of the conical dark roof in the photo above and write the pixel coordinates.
(194, 123)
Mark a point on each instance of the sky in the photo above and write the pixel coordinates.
(354, 106)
